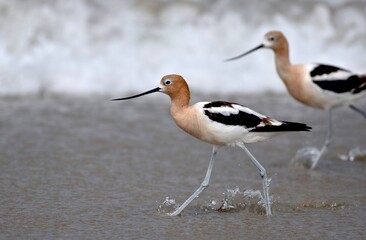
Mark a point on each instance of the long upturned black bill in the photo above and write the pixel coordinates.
(139, 95)
(246, 53)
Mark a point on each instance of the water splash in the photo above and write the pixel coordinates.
(167, 206)
(235, 200)
(305, 157)
(354, 154)
(230, 200)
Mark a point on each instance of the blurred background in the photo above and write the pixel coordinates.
(75, 165)
(122, 46)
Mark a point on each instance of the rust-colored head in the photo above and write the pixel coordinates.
(274, 40)
(173, 85)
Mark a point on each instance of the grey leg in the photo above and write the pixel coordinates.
(356, 109)
(263, 174)
(327, 140)
(203, 186)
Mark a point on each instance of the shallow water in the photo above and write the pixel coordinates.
(88, 168)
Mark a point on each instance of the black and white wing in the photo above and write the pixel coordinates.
(232, 114)
(336, 80)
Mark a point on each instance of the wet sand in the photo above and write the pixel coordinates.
(88, 168)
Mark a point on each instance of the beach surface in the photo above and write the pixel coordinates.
(89, 168)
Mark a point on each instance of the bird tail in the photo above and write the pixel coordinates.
(294, 126)
(284, 127)
(362, 86)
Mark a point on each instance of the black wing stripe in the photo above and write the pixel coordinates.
(240, 119)
(322, 69)
(285, 127)
(353, 84)
(218, 104)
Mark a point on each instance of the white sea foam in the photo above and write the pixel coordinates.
(115, 47)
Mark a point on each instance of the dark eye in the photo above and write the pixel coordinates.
(271, 39)
(168, 82)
